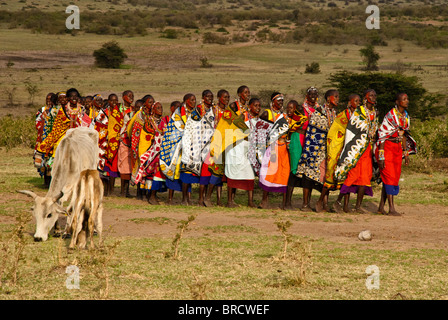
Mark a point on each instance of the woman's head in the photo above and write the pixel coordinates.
(207, 97)
(223, 97)
(254, 106)
(243, 93)
(402, 100)
(370, 96)
(174, 105)
(62, 98)
(73, 96)
(98, 101)
(277, 101)
(128, 97)
(190, 100)
(157, 109)
(354, 101)
(332, 97)
(112, 100)
(311, 95)
(291, 107)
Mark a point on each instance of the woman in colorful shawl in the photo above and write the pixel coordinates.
(335, 143)
(294, 142)
(394, 143)
(124, 157)
(237, 167)
(100, 124)
(114, 125)
(59, 101)
(308, 174)
(149, 171)
(141, 134)
(329, 109)
(69, 117)
(171, 148)
(355, 165)
(190, 168)
(198, 132)
(215, 180)
(275, 166)
(97, 106)
(42, 116)
(239, 106)
(171, 185)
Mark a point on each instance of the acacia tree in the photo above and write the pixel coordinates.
(110, 55)
(370, 57)
(422, 105)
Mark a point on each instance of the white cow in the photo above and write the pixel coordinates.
(77, 151)
(86, 209)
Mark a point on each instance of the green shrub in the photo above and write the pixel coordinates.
(312, 68)
(111, 55)
(170, 34)
(17, 131)
(210, 37)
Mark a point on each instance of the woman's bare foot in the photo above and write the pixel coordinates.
(360, 210)
(306, 208)
(319, 206)
(337, 207)
(232, 205)
(208, 203)
(263, 205)
(153, 201)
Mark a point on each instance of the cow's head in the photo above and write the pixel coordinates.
(46, 211)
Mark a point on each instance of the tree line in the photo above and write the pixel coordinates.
(335, 26)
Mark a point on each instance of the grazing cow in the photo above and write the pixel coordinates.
(85, 209)
(77, 151)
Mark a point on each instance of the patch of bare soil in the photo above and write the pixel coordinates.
(44, 59)
(420, 226)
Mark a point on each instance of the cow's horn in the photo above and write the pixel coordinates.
(59, 196)
(28, 193)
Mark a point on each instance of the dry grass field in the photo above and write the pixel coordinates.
(225, 253)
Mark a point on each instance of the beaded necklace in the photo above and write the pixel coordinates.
(330, 113)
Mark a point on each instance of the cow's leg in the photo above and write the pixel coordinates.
(82, 236)
(79, 229)
(73, 229)
(99, 223)
(91, 224)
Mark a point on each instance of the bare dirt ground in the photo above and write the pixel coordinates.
(421, 226)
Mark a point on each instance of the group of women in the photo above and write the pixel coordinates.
(210, 143)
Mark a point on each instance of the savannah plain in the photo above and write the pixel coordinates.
(222, 253)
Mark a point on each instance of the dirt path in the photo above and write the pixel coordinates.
(420, 226)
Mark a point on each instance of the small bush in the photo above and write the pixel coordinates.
(17, 131)
(205, 63)
(210, 37)
(170, 34)
(111, 55)
(312, 68)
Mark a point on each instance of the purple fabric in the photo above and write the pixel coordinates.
(272, 189)
(368, 191)
(111, 174)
